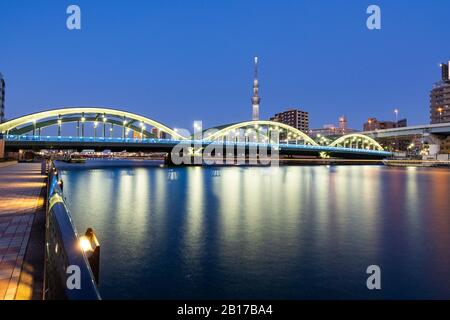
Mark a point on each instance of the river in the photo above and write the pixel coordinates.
(288, 232)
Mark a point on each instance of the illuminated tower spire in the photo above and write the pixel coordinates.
(255, 98)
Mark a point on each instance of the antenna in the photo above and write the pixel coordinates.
(255, 98)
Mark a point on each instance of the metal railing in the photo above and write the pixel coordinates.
(292, 146)
(10, 137)
(68, 274)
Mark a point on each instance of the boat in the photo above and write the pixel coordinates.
(77, 160)
(72, 159)
(408, 163)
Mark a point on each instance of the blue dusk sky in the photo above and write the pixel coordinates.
(180, 61)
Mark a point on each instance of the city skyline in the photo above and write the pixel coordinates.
(131, 63)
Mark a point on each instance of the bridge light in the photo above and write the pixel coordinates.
(104, 119)
(124, 122)
(83, 119)
(95, 124)
(59, 121)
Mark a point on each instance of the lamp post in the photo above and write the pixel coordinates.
(396, 125)
(104, 126)
(95, 129)
(59, 125)
(83, 119)
(396, 117)
(142, 131)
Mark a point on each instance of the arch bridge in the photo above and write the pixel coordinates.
(104, 119)
(96, 127)
(263, 131)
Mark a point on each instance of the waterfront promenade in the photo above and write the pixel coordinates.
(21, 204)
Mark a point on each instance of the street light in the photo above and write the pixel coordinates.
(396, 125)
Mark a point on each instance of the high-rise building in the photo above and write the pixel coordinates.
(445, 71)
(440, 97)
(333, 129)
(373, 124)
(255, 98)
(343, 123)
(293, 117)
(2, 99)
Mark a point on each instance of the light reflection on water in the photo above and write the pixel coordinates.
(249, 232)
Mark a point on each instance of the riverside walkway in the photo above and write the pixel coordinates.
(21, 204)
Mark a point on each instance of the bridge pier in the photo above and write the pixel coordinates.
(434, 142)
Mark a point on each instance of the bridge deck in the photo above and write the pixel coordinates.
(165, 145)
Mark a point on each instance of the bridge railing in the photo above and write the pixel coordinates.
(203, 142)
(67, 271)
(85, 139)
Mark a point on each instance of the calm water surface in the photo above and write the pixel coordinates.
(293, 232)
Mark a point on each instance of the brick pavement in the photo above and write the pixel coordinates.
(20, 198)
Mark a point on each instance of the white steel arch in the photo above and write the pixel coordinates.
(354, 139)
(255, 124)
(5, 127)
